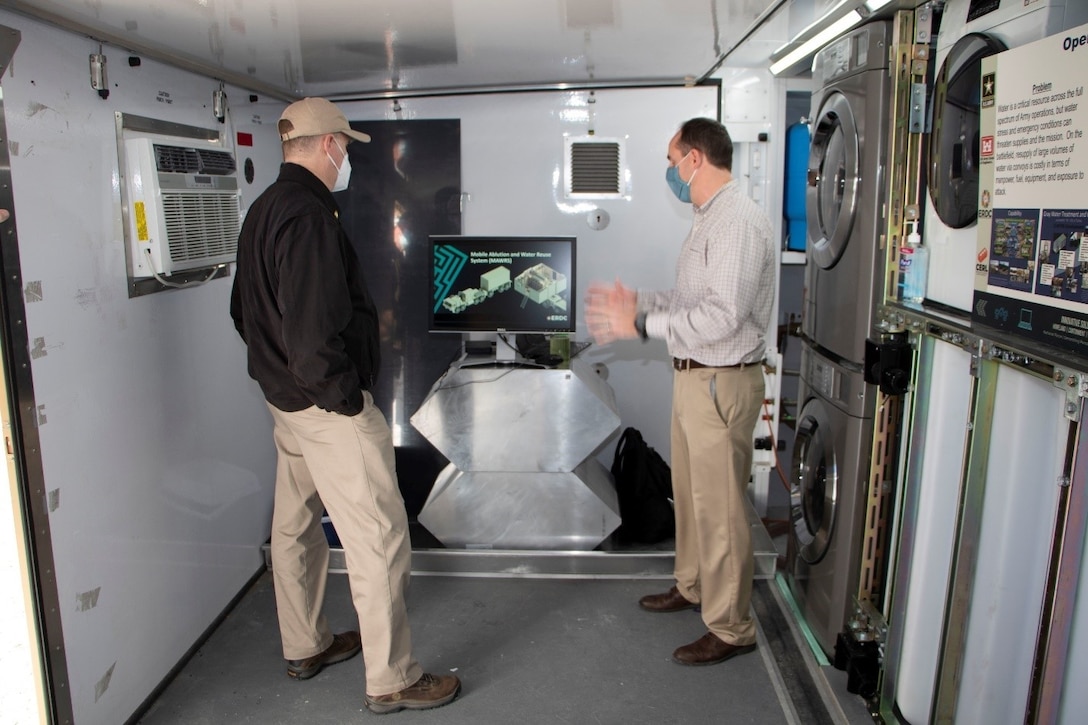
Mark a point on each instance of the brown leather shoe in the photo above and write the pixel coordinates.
(670, 601)
(344, 646)
(709, 650)
(429, 691)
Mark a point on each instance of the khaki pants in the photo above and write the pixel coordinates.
(711, 465)
(346, 465)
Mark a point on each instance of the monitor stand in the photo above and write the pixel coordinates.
(506, 352)
(505, 355)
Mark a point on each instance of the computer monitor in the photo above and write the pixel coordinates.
(511, 284)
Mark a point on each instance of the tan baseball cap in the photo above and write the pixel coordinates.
(315, 117)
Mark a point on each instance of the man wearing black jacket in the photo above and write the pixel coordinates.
(311, 330)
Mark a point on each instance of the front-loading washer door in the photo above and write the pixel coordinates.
(833, 183)
(954, 142)
(814, 482)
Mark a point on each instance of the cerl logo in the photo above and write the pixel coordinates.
(982, 255)
(987, 146)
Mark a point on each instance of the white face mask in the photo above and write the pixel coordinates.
(343, 173)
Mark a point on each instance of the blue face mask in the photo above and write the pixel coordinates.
(681, 188)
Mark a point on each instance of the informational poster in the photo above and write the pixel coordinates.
(1031, 276)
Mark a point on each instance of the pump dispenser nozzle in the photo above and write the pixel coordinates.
(914, 239)
(914, 265)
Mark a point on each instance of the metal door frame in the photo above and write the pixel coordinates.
(29, 496)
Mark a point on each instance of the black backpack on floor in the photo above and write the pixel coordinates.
(644, 487)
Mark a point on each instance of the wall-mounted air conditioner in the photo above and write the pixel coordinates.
(183, 204)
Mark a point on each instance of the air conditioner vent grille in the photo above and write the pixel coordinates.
(199, 225)
(181, 160)
(595, 168)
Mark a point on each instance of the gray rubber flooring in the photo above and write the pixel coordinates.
(527, 651)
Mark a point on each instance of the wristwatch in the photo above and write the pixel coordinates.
(640, 326)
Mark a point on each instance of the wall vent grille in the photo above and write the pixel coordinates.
(180, 160)
(199, 226)
(595, 168)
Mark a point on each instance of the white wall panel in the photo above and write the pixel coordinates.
(1029, 434)
(512, 156)
(948, 390)
(155, 445)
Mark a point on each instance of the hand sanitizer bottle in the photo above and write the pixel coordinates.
(914, 266)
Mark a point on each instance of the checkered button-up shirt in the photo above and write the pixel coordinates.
(720, 308)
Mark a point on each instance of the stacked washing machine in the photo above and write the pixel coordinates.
(970, 31)
(845, 216)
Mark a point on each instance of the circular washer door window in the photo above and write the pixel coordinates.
(814, 483)
(832, 198)
(954, 142)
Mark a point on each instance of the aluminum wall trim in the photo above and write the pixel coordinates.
(882, 490)
(965, 548)
(122, 185)
(917, 417)
(879, 536)
(145, 124)
(769, 12)
(30, 490)
(456, 91)
(1056, 627)
(905, 157)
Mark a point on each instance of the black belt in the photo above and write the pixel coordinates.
(689, 364)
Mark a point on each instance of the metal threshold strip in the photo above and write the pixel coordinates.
(534, 564)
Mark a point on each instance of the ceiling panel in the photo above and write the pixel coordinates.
(342, 48)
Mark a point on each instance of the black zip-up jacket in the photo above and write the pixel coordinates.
(299, 301)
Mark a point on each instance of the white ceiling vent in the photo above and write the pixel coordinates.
(590, 14)
(595, 168)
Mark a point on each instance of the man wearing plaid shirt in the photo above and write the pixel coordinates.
(714, 321)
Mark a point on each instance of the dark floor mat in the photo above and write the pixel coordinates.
(798, 680)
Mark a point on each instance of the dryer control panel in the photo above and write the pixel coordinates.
(863, 49)
(823, 377)
(844, 388)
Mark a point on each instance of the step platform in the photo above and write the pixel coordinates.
(602, 563)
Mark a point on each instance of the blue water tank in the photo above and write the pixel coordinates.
(797, 142)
